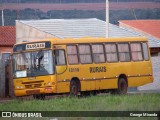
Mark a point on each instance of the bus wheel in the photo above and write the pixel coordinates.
(39, 97)
(122, 86)
(73, 88)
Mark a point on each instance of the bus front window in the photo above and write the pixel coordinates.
(30, 64)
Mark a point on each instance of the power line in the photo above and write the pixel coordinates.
(134, 14)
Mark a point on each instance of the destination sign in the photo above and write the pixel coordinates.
(35, 46)
(31, 46)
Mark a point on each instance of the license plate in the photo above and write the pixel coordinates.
(29, 92)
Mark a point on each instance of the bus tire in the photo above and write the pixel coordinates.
(122, 86)
(73, 88)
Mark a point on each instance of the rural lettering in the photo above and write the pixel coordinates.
(97, 69)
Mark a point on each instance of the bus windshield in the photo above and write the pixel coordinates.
(31, 64)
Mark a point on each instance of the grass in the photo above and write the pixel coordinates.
(138, 102)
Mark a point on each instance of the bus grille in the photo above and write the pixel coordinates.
(33, 86)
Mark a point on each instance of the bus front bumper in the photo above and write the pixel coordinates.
(24, 92)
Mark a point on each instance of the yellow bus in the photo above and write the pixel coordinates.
(56, 66)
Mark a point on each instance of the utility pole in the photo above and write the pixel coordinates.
(2, 18)
(107, 18)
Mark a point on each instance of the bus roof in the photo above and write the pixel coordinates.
(96, 40)
(88, 40)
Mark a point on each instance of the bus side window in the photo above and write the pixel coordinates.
(72, 54)
(111, 52)
(60, 57)
(124, 53)
(136, 52)
(98, 53)
(145, 51)
(85, 53)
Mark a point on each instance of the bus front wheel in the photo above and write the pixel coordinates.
(73, 88)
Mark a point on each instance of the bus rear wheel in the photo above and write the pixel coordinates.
(73, 88)
(122, 87)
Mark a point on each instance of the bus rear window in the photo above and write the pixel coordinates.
(145, 51)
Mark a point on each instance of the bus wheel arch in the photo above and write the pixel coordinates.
(75, 86)
(122, 84)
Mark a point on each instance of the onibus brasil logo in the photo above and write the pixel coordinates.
(21, 114)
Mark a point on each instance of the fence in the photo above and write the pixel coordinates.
(2, 78)
(6, 81)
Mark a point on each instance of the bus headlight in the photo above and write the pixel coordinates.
(49, 84)
(19, 87)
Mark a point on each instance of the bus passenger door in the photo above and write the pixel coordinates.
(61, 68)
